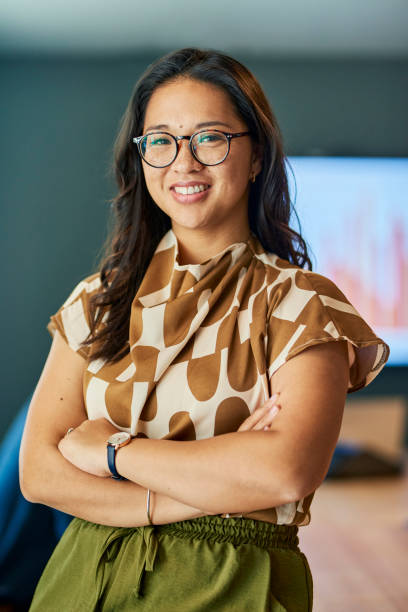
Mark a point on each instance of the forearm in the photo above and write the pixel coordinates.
(227, 473)
(55, 482)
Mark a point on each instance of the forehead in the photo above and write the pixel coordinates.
(187, 102)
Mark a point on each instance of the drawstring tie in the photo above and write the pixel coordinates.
(148, 556)
(151, 547)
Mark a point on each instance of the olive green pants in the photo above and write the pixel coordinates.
(207, 564)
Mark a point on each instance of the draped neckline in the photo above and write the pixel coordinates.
(167, 279)
(199, 269)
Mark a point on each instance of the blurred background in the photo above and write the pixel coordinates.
(337, 79)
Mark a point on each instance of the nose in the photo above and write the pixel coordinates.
(185, 160)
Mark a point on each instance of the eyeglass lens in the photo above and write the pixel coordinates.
(160, 149)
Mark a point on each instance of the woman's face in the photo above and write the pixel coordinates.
(179, 107)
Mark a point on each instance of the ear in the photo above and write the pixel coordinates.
(257, 158)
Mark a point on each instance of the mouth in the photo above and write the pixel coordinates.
(190, 189)
(190, 193)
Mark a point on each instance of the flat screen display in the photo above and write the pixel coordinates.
(353, 214)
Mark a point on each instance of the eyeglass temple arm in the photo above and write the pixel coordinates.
(237, 134)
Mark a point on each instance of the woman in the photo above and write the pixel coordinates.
(200, 320)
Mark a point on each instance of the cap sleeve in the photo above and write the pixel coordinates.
(72, 320)
(306, 309)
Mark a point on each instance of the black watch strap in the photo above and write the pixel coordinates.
(112, 464)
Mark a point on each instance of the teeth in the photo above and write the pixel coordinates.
(190, 189)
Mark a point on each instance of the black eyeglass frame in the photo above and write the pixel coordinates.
(229, 135)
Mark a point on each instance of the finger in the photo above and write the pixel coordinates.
(252, 420)
(258, 414)
(268, 418)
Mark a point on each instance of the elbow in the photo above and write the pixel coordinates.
(300, 491)
(286, 486)
(29, 485)
(303, 484)
(37, 470)
(27, 489)
(293, 491)
(26, 493)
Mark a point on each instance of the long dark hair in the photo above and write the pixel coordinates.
(140, 223)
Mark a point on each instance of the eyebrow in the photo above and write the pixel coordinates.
(161, 126)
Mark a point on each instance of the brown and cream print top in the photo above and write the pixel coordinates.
(206, 338)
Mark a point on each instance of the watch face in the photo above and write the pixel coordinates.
(119, 438)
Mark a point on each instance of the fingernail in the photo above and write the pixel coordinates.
(274, 410)
(273, 398)
(266, 427)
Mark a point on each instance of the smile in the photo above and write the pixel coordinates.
(190, 194)
(191, 189)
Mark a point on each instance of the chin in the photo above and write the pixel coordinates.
(191, 225)
(189, 221)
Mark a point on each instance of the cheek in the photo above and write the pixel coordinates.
(152, 183)
(237, 173)
(148, 178)
(236, 180)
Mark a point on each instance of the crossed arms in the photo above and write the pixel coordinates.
(235, 472)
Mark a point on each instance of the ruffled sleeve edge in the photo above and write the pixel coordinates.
(73, 314)
(364, 366)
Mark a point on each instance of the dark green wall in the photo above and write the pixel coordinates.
(58, 120)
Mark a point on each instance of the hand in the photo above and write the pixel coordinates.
(262, 417)
(85, 446)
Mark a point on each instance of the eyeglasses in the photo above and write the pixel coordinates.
(209, 147)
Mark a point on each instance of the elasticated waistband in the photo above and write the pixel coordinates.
(235, 530)
(104, 545)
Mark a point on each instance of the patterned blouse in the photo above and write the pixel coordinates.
(205, 340)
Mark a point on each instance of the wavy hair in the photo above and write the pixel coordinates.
(139, 224)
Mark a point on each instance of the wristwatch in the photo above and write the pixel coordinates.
(116, 441)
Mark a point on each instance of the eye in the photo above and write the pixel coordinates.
(208, 137)
(161, 140)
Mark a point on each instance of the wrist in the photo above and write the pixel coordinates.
(113, 444)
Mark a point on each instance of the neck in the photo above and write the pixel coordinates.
(196, 246)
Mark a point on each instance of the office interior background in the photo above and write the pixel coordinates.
(336, 77)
